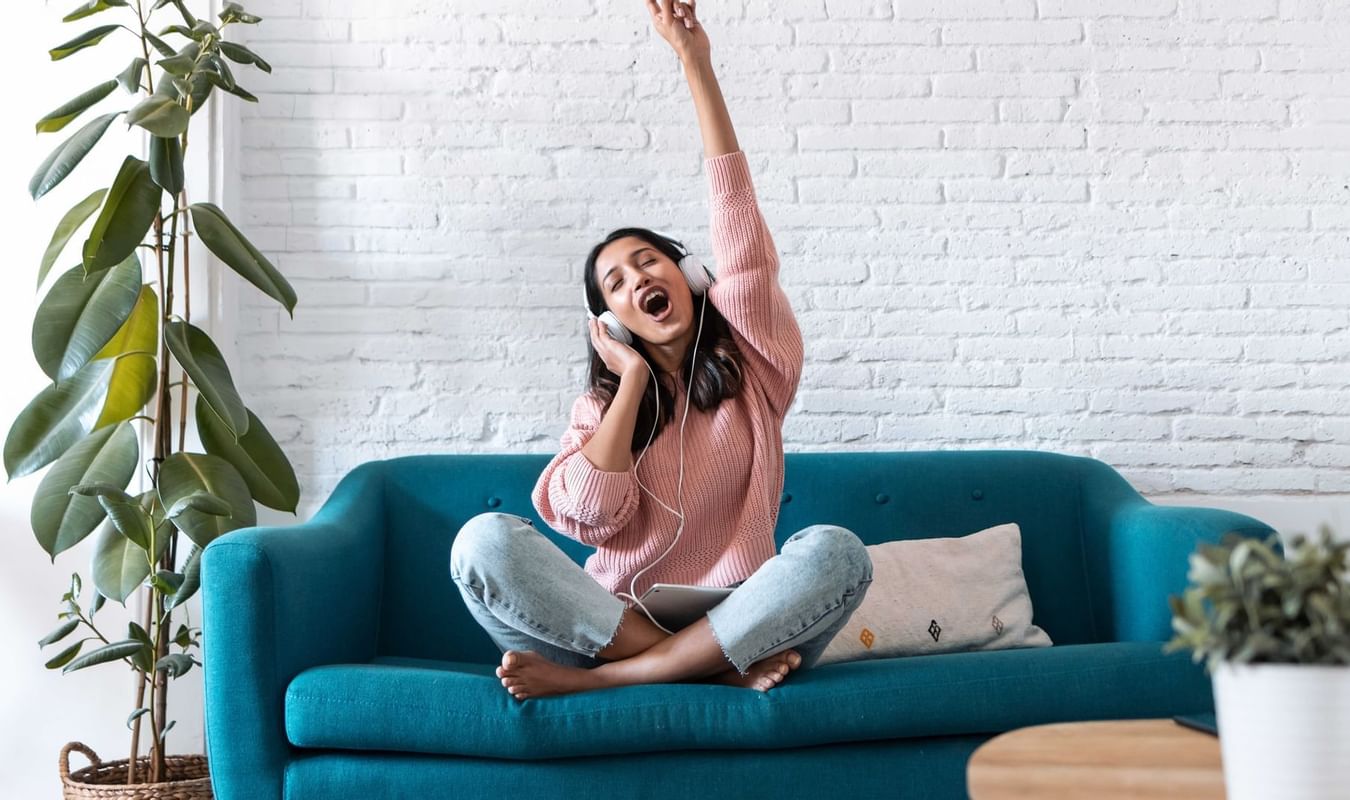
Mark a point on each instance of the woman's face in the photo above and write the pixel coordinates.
(645, 289)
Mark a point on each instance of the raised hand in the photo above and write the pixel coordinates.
(678, 24)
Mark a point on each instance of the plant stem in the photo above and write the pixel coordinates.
(183, 381)
(161, 688)
(164, 433)
(162, 420)
(153, 776)
(163, 438)
(140, 676)
(136, 725)
(160, 700)
(187, 264)
(145, 51)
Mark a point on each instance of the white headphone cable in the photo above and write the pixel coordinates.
(680, 529)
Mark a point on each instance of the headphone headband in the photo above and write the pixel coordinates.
(682, 250)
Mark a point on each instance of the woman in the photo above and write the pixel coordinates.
(700, 503)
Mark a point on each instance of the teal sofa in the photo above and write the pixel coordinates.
(340, 661)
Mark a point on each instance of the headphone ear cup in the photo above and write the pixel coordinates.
(696, 274)
(616, 329)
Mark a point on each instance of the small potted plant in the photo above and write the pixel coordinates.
(1275, 632)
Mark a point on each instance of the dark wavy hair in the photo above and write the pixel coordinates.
(718, 373)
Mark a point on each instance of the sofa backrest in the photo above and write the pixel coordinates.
(880, 496)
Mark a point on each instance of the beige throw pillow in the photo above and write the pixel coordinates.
(942, 596)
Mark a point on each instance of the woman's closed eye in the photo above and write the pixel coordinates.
(619, 282)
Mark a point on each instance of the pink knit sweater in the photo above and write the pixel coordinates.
(733, 455)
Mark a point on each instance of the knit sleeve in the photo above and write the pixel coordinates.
(576, 498)
(746, 290)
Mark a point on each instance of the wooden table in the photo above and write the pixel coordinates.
(1135, 759)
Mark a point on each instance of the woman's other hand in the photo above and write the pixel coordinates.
(678, 24)
(619, 358)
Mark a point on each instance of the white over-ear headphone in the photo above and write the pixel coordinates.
(698, 276)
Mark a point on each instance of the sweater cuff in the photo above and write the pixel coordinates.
(728, 173)
(594, 490)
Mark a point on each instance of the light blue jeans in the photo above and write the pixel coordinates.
(529, 595)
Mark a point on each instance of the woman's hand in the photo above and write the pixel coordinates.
(619, 358)
(678, 24)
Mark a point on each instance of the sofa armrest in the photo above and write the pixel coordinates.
(276, 601)
(1138, 553)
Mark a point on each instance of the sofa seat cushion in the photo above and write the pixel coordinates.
(459, 708)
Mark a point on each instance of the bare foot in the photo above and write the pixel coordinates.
(763, 674)
(527, 674)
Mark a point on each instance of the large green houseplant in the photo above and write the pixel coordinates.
(1274, 631)
(114, 334)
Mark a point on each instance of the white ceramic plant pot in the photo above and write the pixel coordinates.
(1284, 730)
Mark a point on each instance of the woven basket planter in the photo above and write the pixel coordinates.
(186, 778)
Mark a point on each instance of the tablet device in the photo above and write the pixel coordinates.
(1201, 722)
(677, 606)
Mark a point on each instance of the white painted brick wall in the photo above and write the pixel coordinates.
(1117, 228)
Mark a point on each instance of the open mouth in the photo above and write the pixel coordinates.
(656, 304)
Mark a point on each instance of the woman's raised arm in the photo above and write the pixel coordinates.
(678, 24)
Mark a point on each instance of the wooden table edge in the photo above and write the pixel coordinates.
(1137, 758)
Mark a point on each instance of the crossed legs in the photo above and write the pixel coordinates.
(562, 632)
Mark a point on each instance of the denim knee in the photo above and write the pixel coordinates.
(484, 540)
(839, 551)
